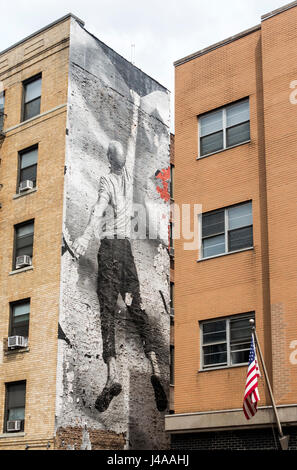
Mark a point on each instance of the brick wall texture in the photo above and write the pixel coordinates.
(259, 65)
(256, 439)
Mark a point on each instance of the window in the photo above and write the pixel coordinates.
(15, 405)
(226, 342)
(172, 294)
(171, 246)
(24, 239)
(28, 165)
(32, 97)
(19, 318)
(2, 101)
(227, 230)
(171, 365)
(224, 128)
(171, 181)
(172, 302)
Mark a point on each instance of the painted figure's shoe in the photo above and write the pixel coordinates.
(160, 395)
(107, 394)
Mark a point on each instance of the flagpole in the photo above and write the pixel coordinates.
(284, 440)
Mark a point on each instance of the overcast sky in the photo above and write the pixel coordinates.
(162, 30)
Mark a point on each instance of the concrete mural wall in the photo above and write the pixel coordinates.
(113, 358)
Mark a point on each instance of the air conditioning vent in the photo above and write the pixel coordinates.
(17, 342)
(22, 261)
(13, 426)
(25, 185)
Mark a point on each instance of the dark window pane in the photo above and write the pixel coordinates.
(20, 328)
(215, 354)
(15, 404)
(240, 357)
(213, 246)
(171, 180)
(211, 123)
(29, 174)
(240, 216)
(33, 90)
(171, 294)
(214, 326)
(240, 330)
(29, 158)
(238, 134)
(238, 113)
(214, 332)
(16, 395)
(241, 238)
(32, 109)
(214, 337)
(20, 319)
(24, 240)
(25, 229)
(211, 143)
(213, 224)
(171, 365)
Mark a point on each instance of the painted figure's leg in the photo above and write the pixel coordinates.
(131, 289)
(108, 290)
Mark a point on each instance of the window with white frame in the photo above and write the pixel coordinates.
(225, 342)
(224, 128)
(227, 230)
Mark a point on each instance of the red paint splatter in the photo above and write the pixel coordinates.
(164, 176)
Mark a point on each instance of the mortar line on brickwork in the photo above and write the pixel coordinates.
(20, 64)
(31, 121)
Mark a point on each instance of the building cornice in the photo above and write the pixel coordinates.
(217, 45)
(49, 26)
(227, 420)
(278, 11)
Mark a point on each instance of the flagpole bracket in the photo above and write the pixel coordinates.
(284, 442)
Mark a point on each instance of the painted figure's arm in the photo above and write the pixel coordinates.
(130, 160)
(80, 245)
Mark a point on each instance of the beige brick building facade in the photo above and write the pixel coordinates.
(254, 70)
(58, 106)
(47, 53)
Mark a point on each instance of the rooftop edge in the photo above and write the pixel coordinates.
(272, 13)
(215, 46)
(208, 49)
(60, 20)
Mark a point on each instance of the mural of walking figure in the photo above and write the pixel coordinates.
(117, 273)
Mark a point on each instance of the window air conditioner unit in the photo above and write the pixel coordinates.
(17, 342)
(171, 251)
(13, 426)
(22, 261)
(25, 185)
(172, 312)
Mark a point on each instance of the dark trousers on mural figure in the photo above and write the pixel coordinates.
(117, 275)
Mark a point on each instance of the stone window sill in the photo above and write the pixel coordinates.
(12, 435)
(21, 270)
(12, 352)
(30, 191)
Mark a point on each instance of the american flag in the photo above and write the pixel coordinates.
(251, 393)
